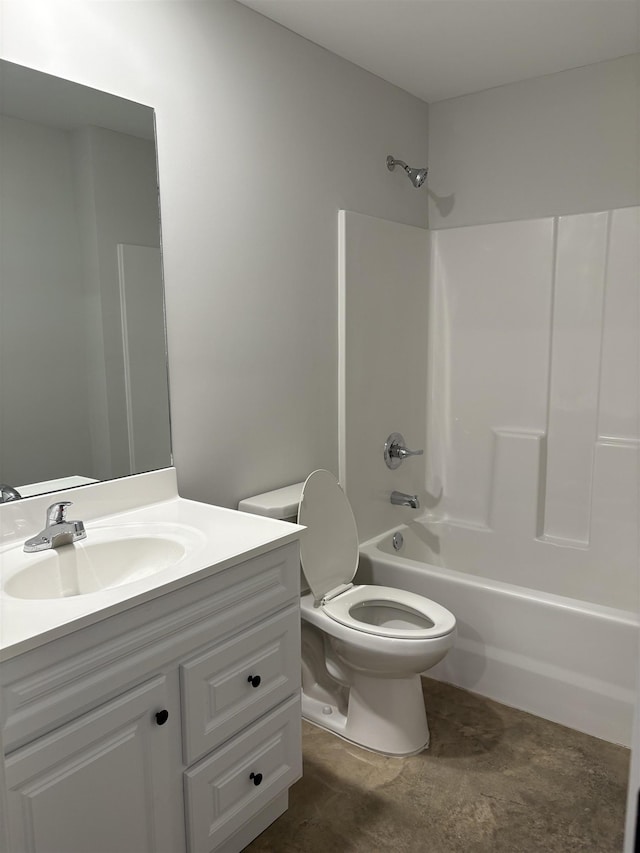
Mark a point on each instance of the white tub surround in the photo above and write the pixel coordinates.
(533, 413)
(526, 340)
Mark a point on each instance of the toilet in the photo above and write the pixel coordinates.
(363, 646)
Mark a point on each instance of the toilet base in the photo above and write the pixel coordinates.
(385, 715)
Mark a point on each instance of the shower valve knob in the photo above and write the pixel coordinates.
(395, 450)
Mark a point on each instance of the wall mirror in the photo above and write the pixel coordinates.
(83, 368)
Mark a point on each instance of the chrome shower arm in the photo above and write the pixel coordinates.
(392, 163)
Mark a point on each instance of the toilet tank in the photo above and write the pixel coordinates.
(280, 503)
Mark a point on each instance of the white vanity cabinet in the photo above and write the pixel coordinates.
(173, 725)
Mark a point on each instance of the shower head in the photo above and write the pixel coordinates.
(416, 176)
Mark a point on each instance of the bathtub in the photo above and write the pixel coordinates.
(569, 661)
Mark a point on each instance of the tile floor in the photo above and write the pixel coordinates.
(495, 780)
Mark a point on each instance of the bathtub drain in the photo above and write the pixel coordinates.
(398, 540)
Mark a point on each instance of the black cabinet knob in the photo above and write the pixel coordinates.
(254, 680)
(162, 717)
(257, 778)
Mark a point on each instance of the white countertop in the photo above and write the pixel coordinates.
(224, 537)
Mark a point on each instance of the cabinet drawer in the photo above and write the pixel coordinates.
(228, 686)
(235, 782)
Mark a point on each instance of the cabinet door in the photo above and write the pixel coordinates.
(99, 784)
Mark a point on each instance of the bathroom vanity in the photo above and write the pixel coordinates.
(161, 713)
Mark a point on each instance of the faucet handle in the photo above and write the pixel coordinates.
(8, 493)
(395, 450)
(57, 512)
(403, 452)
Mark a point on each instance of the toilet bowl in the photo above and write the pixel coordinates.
(363, 646)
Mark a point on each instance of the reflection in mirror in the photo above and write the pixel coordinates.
(83, 374)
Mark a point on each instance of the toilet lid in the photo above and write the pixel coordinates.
(329, 547)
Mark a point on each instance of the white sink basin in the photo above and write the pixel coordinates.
(143, 542)
(107, 558)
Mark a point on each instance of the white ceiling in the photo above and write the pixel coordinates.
(439, 49)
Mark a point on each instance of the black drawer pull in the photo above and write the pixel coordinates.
(162, 717)
(254, 680)
(257, 778)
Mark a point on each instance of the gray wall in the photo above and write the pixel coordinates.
(262, 138)
(563, 143)
(119, 204)
(44, 406)
(68, 198)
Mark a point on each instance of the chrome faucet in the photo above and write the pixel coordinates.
(401, 499)
(58, 530)
(8, 493)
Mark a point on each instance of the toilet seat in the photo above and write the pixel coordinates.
(439, 621)
(329, 558)
(329, 547)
